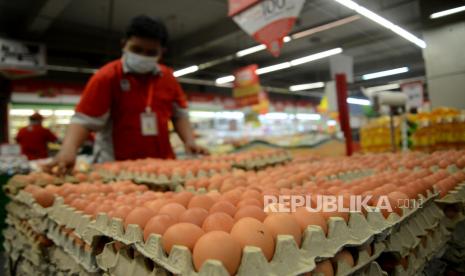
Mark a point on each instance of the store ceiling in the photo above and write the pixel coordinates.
(87, 33)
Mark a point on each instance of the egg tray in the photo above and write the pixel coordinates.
(18, 244)
(13, 187)
(22, 212)
(372, 269)
(416, 263)
(78, 251)
(63, 264)
(27, 199)
(264, 162)
(363, 262)
(456, 195)
(315, 245)
(406, 235)
(24, 267)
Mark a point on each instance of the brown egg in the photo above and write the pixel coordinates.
(344, 256)
(248, 202)
(325, 268)
(43, 197)
(220, 246)
(158, 225)
(139, 216)
(201, 201)
(249, 231)
(183, 198)
(173, 209)
(91, 208)
(218, 221)
(223, 206)
(250, 211)
(121, 212)
(252, 194)
(79, 204)
(155, 205)
(284, 224)
(185, 234)
(306, 218)
(194, 215)
(103, 208)
(214, 195)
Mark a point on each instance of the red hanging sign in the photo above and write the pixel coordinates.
(246, 86)
(268, 21)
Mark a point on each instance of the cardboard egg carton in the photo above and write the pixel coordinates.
(315, 245)
(63, 264)
(362, 264)
(456, 195)
(435, 244)
(28, 200)
(81, 253)
(263, 162)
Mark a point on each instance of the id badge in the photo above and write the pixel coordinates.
(148, 122)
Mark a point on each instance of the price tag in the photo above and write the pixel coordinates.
(148, 121)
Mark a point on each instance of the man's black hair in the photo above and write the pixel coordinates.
(147, 27)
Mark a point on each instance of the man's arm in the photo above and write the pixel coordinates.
(183, 128)
(64, 161)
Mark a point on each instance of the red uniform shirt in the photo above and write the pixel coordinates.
(124, 96)
(33, 141)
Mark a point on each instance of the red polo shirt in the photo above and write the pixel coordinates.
(33, 141)
(124, 97)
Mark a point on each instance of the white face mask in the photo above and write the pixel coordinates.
(140, 64)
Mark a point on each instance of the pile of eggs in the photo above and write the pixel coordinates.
(241, 157)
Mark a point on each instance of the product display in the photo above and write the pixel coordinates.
(236, 221)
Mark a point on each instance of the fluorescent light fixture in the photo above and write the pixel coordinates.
(331, 123)
(386, 87)
(272, 68)
(221, 115)
(316, 56)
(308, 116)
(225, 79)
(276, 116)
(286, 39)
(46, 112)
(325, 27)
(383, 22)
(306, 86)
(185, 71)
(21, 112)
(251, 50)
(358, 101)
(385, 73)
(447, 12)
(63, 121)
(64, 112)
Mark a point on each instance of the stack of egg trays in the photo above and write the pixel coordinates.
(64, 264)
(455, 197)
(66, 227)
(288, 258)
(22, 243)
(263, 162)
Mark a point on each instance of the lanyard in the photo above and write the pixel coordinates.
(148, 105)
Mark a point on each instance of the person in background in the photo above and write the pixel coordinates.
(34, 138)
(129, 103)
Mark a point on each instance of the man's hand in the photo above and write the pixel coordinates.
(63, 162)
(192, 148)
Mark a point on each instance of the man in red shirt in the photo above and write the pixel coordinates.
(129, 103)
(34, 138)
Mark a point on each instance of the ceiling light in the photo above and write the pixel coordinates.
(251, 50)
(308, 116)
(325, 27)
(21, 112)
(64, 112)
(385, 87)
(46, 112)
(306, 86)
(447, 12)
(185, 71)
(383, 22)
(317, 56)
(225, 79)
(331, 123)
(385, 73)
(358, 101)
(272, 68)
(276, 116)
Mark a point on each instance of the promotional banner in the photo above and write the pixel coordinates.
(236, 6)
(247, 87)
(268, 21)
